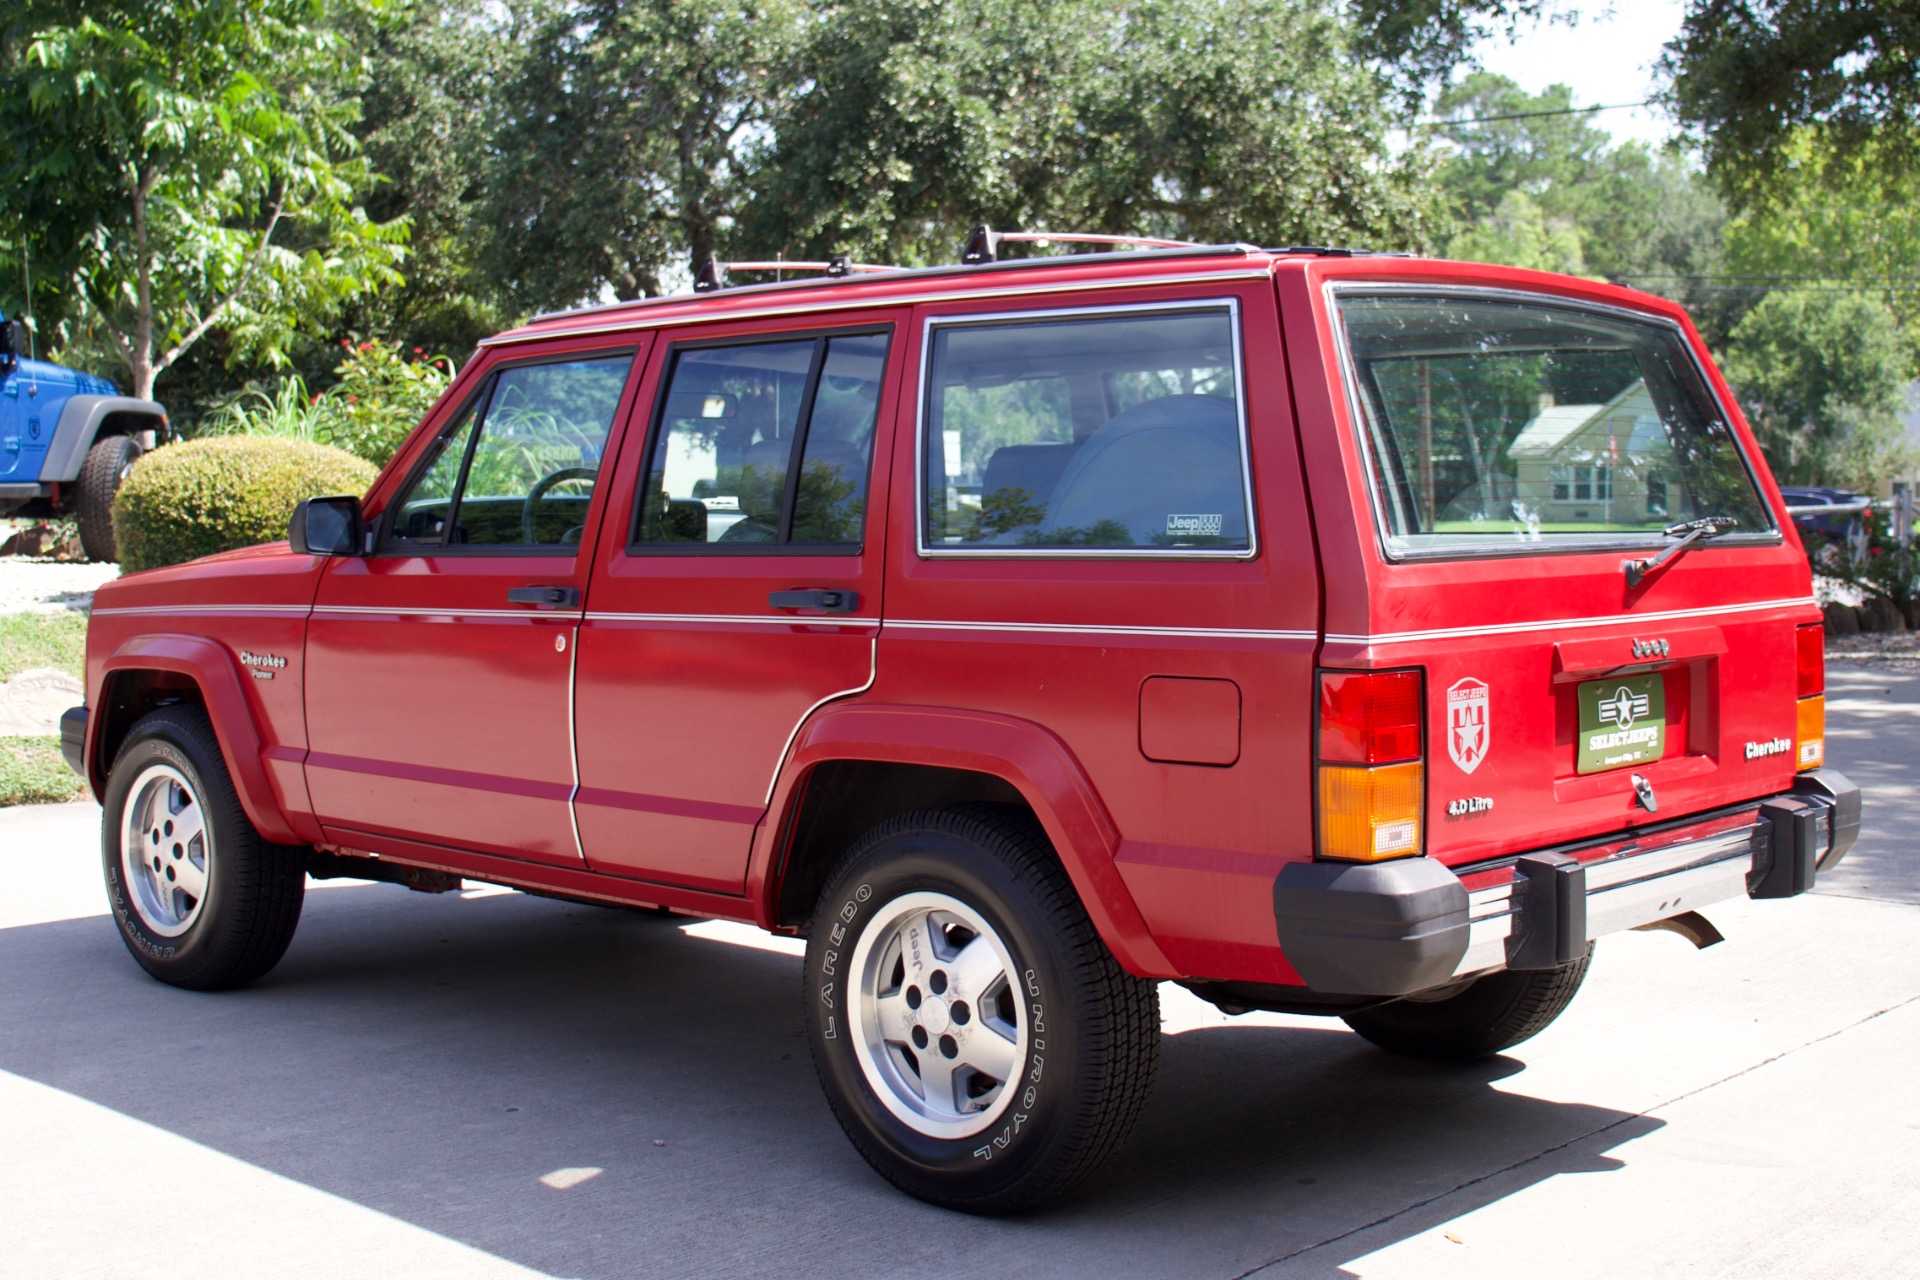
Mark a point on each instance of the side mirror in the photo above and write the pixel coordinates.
(12, 335)
(327, 527)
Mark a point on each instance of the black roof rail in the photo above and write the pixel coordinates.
(983, 244)
(713, 272)
(1341, 251)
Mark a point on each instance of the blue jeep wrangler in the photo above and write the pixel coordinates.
(66, 440)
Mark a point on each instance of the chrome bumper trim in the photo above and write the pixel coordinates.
(1624, 891)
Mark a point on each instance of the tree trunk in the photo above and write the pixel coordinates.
(140, 363)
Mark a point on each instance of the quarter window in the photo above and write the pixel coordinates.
(765, 444)
(524, 477)
(1115, 432)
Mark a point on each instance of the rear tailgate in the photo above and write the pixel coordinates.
(1488, 450)
(1574, 713)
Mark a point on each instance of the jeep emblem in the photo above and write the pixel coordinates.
(1650, 648)
(1467, 728)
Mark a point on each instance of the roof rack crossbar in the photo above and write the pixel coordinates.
(713, 272)
(983, 245)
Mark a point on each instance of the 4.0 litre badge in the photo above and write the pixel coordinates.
(1622, 722)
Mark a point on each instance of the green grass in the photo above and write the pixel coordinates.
(1494, 527)
(31, 769)
(33, 772)
(29, 640)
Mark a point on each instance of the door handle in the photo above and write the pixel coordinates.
(824, 601)
(545, 597)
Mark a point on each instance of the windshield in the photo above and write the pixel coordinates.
(1492, 423)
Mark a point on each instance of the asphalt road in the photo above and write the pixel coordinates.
(489, 1085)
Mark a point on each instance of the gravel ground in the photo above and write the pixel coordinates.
(28, 584)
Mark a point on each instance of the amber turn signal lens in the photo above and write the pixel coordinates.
(1810, 735)
(1370, 815)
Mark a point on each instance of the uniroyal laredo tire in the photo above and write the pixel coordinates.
(201, 900)
(974, 895)
(1487, 1016)
(106, 465)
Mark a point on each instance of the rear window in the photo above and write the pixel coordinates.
(1494, 424)
(1112, 432)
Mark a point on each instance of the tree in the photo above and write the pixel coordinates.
(428, 116)
(1822, 377)
(620, 152)
(907, 123)
(1838, 219)
(1423, 41)
(1518, 234)
(1618, 211)
(186, 165)
(1749, 75)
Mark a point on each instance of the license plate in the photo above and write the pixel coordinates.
(1622, 722)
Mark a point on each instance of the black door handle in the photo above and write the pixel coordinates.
(545, 597)
(824, 601)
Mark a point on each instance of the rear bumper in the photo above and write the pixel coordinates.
(1392, 928)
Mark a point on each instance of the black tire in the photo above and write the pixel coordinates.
(1485, 1017)
(106, 466)
(1079, 1036)
(239, 923)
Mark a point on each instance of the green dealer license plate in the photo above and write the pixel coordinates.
(1622, 722)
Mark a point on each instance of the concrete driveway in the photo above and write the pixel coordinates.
(491, 1084)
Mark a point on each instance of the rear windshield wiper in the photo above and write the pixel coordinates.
(1689, 532)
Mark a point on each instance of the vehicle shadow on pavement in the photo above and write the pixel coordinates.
(435, 1058)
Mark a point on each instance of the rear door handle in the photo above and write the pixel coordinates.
(545, 597)
(824, 601)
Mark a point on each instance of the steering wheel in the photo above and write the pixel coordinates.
(539, 491)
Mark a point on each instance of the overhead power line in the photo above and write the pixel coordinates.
(1560, 111)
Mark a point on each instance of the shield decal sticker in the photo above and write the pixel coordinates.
(1467, 729)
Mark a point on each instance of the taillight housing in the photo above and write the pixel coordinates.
(1810, 678)
(1370, 767)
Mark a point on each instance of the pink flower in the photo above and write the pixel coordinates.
(352, 399)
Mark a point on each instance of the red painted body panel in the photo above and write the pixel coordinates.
(194, 621)
(432, 721)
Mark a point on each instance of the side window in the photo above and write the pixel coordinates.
(517, 468)
(765, 444)
(1119, 431)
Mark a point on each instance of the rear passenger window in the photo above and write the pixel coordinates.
(765, 444)
(1120, 432)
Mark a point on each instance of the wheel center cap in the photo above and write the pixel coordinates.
(933, 1015)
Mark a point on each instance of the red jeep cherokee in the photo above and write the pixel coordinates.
(1325, 632)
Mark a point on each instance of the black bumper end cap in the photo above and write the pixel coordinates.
(73, 739)
(1843, 810)
(1375, 928)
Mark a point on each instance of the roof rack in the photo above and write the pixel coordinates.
(713, 272)
(983, 245)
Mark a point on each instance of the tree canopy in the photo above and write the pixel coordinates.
(186, 164)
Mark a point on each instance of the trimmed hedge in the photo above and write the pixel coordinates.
(201, 496)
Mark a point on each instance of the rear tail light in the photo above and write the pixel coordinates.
(1810, 659)
(1810, 722)
(1371, 784)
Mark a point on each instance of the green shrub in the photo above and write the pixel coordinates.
(202, 496)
